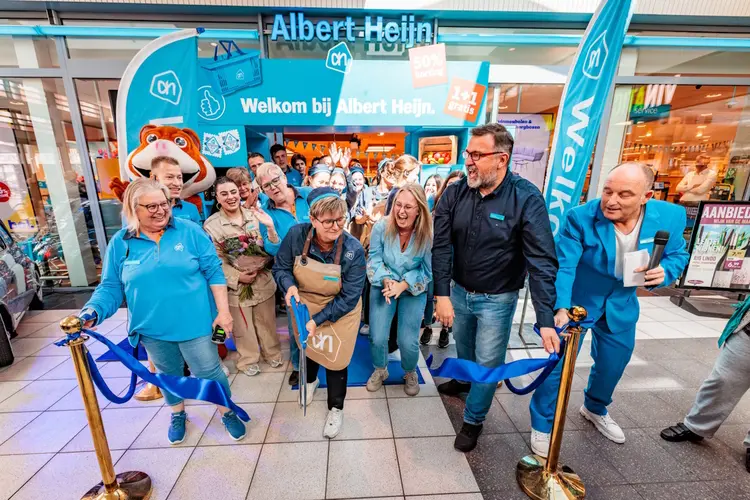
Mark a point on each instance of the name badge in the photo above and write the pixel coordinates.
(131, 262)
(497, 216)
(647, 241)
(330, 278)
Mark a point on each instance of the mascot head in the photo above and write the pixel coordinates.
(183, 145)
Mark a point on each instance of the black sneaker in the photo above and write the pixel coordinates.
(294, 378)
(444, 339)
(453, 387)
(426, 336)
(679, 433)
(466, 440)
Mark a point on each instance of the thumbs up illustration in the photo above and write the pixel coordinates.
(209, 105)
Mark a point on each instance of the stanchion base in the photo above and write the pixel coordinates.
(148, 393)
(541, 485)
(133, 485)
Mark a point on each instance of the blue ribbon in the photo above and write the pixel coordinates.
(470, 371)
(301, 318)
(183, 387)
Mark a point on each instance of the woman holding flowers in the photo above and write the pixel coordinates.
(239, 234)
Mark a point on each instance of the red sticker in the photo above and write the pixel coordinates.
(4, 192)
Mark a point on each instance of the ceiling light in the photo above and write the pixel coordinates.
(648, 134)
(677, 76)
(677, 143)
(16, 103)
(706, 136)
(701, 126)
(511, 49)
(381, 134)
(709, 96)
(699, 134)
(380, 149)
(641, 125)
(503, 107)
(706, 114)
(214, 44)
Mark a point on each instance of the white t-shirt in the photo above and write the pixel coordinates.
(626, 243)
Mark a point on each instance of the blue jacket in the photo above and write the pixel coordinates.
(293, 177)
(284, 220)
(386, 260)
(586, 251)
(166, 286)
(352, 270)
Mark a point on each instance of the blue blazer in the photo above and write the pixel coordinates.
(586, 250)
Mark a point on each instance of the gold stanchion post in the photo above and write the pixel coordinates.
(131, 485)
(546, 479)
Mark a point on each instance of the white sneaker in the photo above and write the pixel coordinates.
(365, 330)
(275, 363)
(395, 356)
(604, 424)
(311, 386)
(252, 370)
(224, 368)
(334, 421)
(540, 443)
(375, 382)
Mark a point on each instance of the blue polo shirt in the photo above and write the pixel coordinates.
(166, 285)
(293, 177)
(283, 220)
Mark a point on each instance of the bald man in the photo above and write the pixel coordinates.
(591, 247)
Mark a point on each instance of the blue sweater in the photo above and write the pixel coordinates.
(166, 285)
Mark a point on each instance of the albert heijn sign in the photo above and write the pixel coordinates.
(407, 30)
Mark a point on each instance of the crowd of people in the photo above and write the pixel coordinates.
(388, 260)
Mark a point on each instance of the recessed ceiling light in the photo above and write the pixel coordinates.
(511, 49)
(706, 114)
(677, 143)
(381, 134)
(709, 96)
(16, 103)
(677, 75)
(701, 126)
(699, 134)
(648, 134)
(641, 125)
(503, 107)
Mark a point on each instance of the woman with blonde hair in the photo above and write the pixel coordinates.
(399, 268)
(169, 275)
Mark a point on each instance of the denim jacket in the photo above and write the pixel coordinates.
(387, 261)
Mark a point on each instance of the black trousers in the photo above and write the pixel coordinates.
(336, 383)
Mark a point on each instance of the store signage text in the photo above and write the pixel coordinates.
(351, 106)
(650, 102)
(375, 29)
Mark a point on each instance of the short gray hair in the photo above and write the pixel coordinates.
(269, 169)
(132, 196)
(503, 139)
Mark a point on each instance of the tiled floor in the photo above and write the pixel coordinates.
(391, 446)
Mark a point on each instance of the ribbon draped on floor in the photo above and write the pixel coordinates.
(184, 387)
(470, 371)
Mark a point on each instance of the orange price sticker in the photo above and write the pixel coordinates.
(464, 99)
(428, 66)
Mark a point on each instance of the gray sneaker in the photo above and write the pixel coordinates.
(411, 383)
(376, 379)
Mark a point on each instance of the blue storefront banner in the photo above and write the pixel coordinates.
(223, 146)
(362, 93)
(586, 92)
(158, 87)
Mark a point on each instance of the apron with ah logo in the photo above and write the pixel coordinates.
(318, 284)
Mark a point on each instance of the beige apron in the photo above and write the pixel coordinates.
(318, 284)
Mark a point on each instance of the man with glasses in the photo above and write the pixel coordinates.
(490, 228)
(279, 157)
(287, 206)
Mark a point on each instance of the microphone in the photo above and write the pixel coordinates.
(660, 240)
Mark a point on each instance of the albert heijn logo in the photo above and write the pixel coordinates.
(339, 58)
(166, 86)
(596, 57)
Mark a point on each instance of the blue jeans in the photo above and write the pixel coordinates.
(429, 308)
(410, 310)
(481, 329)
(200, 354)
(611, 353)
(293, 347)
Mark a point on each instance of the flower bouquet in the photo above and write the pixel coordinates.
(246, 255)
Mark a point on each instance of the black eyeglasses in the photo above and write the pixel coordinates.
(476, 155)
(328, 223)
(273, 183)
(154, 207)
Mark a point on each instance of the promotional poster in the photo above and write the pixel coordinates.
(720, 248)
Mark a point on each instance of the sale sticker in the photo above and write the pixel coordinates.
(428, 66)
(464, 99)
(4, 192)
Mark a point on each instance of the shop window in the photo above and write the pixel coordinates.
(46, 206)
(27, 52)
(98, 99)
(685, 61)
(529, 111)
